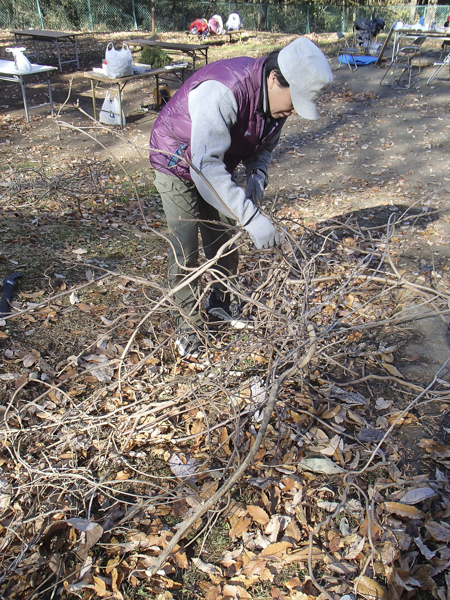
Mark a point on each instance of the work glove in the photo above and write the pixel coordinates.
(262, 232)
(256, 185)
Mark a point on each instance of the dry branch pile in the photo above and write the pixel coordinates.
(106, 457)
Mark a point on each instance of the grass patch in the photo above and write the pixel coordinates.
(190, 581)
(263, 589)
(215, 543)
(246, 495)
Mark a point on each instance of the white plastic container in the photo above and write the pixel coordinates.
(374, 49)
(139, 68)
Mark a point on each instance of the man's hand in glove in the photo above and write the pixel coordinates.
(263, 232)
(256, 185)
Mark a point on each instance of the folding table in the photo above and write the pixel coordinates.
(190, 49)
(61, 39)
(8, 72)
(121, 82)
(237, 32)
(439, 34)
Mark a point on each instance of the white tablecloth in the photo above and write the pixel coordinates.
(7, 67)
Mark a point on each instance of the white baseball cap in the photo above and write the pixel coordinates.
(308, 73)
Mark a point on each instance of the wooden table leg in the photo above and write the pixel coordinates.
(120, 105)
(36, 51)
(157, 91)
(59, 55)
(50, 95)
(76, 52)
(93, 99)
(24, 96)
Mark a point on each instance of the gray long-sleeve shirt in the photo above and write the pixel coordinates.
(213, 111)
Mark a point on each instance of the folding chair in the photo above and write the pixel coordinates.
(440, 66)
(344, 49)
(403, 60)
(444, 49)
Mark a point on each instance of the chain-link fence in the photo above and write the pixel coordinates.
(177, 15)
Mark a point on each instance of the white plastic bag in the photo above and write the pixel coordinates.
(110, 113)
(234, 22)
(220, 29)
(21, 62)
(116, 109)
(119, 63)
(107, 115)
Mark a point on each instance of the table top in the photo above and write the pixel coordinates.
(43, 33)
(167, 45)
(215, 37)
(104, 78)
(7, 67)
(441, 32)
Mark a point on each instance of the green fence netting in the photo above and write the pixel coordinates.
(177, 15)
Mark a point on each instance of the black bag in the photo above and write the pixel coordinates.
(366, 30)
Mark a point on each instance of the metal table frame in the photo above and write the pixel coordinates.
(121, 82)
(189, 49)
(61, 39)
(440, 66)
(8, 73)
(237, 32)
(415, 33)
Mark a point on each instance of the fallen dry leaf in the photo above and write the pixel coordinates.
(235, 591)
(403, 510)
(214, 593)
(209, 489)
(240, 527)
(302, 555)
(205, 567)
(320, 465)
(328, 506)
(425, 551)
(100, 587)
(181, 560)
(32, 295)
(342, 568)
(91, 538)
(417, 495)
(258, 514)
(440, 531)
(276, 549)
(293, 583)
(254, 568)
(355, 549)
(392, 370)
(389, 553)
(293, 531)
(166, 595)
(369, 587)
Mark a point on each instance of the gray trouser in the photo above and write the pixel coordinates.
(186, 213)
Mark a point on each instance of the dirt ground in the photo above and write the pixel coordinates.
(374, 151)
(375, 156)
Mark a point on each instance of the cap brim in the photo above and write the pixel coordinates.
(304, 108)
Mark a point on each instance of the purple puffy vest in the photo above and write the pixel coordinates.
(172, 129)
